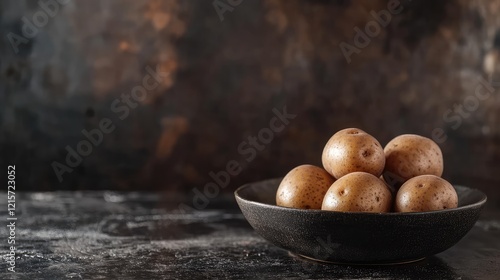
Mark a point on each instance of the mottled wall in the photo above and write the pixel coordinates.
(224, 79)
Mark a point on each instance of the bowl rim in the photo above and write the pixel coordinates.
(480, 203)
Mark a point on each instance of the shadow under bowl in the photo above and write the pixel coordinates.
(357, 237)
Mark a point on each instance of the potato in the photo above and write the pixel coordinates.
(304, 187)
(408, 156)
(352, 150)
(358, 192)
(425, 193)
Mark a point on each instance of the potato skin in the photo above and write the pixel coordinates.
(358, 192)
(410, 155)
(425, 193)
(304, 187)
(352, 150)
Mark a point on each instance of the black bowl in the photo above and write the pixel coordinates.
(355, 237)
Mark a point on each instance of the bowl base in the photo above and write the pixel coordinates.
(359, 263)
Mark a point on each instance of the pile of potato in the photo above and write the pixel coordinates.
(351, 181)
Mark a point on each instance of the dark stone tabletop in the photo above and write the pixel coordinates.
(111, 235)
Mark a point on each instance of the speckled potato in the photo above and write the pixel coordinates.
(408, 156)
(304, 187)
(425, 193)
(358, 192)
(352, 150)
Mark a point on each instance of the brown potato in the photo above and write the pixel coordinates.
(425, 193)
(410, 155)
(352, 150)
(358, 192)
(304, 187)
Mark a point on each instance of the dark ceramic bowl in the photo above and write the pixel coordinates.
(363, 238)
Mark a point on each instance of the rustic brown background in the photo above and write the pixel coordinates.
(227, 76)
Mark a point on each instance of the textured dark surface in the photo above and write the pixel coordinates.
(110, 235)
(227, 76)
(362, 238)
